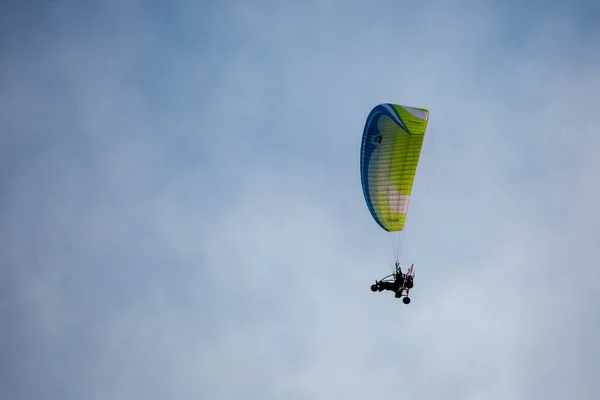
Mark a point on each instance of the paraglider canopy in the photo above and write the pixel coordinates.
(391, 145)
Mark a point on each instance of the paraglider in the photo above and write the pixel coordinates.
(397, 282)
(391, 146)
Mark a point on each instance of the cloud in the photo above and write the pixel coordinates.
(182, 214)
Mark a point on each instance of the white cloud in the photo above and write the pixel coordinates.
(159, 251)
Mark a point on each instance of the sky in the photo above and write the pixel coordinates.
(181, 213)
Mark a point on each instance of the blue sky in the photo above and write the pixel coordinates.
(181, 213)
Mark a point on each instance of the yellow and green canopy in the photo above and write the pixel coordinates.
(391, 146)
